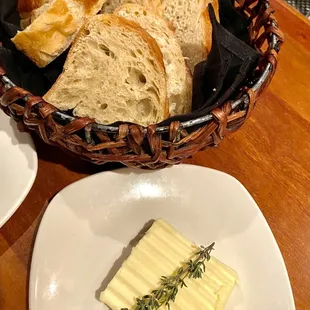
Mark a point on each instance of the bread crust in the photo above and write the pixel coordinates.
(48, 35)
(132, 26)
(27, 6)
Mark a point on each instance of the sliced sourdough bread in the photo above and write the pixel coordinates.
(193, 26)
(110, 83)
(190, 19)
(55, 25)
(179, 80)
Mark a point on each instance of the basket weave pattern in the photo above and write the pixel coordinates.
(151, 147)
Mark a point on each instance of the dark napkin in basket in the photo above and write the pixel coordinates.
(229, 63)
(233, 21)
(19, 68)
(218, 78)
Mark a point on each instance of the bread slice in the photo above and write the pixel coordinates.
(114, 72)
(179, 80)
(190, 19)
(55, 25)
(193, 26)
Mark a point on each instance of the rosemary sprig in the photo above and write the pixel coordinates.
(169, 286)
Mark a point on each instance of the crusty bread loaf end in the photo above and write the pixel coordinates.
(54, 26)
(27, 6)
(49, 35)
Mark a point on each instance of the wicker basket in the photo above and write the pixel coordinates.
(155, 146)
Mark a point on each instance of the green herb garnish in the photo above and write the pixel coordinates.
(168, 290)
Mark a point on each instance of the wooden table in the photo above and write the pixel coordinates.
(270, 155)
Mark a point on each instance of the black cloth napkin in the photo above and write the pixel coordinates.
(227, 66)
(219, 77)
(233, 21)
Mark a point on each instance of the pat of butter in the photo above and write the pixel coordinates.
(160, 253)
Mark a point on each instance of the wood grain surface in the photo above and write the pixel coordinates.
(270, 155)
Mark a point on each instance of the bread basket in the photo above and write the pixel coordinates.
(154, 146)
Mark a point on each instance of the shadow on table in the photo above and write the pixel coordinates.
(57, 156)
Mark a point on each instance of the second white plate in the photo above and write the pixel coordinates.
(18, 167)
(88, 224)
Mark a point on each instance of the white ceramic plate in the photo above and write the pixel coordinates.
(18, 167)
(88, 224)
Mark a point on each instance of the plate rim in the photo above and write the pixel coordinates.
(181, 166)
(30, 183)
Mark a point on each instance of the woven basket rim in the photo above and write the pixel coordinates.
(274, 44)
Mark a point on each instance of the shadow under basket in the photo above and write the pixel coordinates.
(154, 146)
